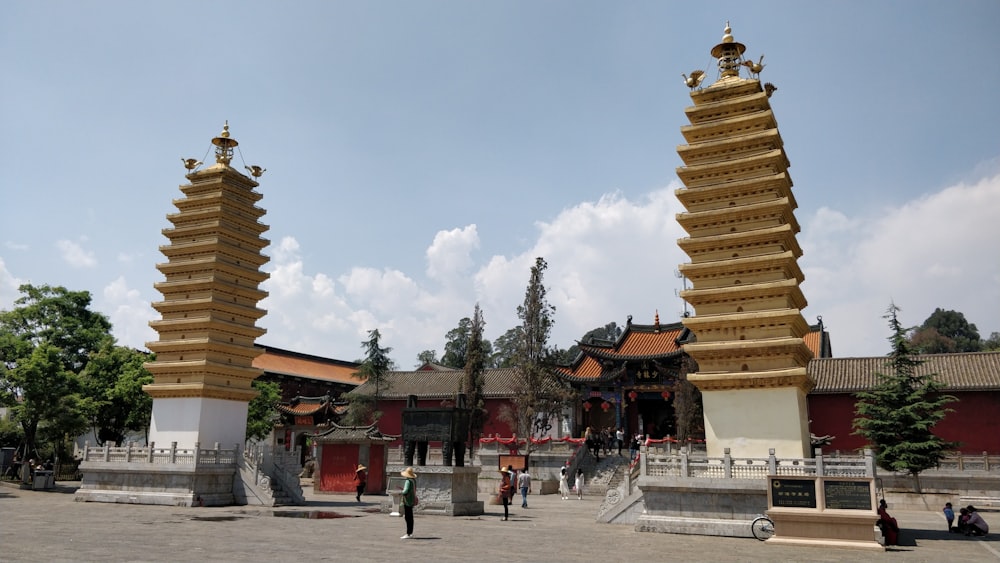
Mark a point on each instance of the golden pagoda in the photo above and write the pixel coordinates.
(203, 369)
(744, 269)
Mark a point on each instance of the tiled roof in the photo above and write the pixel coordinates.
(639, 345)
(973, 371)
(305, 406)
(338, 433)
(285, 362)
(438, 384)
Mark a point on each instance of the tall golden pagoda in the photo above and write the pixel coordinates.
(744, 271)
(203, 369)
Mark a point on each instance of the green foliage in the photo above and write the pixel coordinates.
(539, 396)
(992, 344)
(897, 416)
(11, 434)
(427, 357)
(457, 343)
(374, 370)
(262, 411)
(45, 341)
(112, 382)
(505, 348)
(945, 332)
(472, 382)
(607, 334)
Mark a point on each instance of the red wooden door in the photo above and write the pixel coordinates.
(339, 462)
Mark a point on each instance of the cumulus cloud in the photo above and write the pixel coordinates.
(450, 255)
(129, 313)
(937, 251)
(75, 255)
(8, 286)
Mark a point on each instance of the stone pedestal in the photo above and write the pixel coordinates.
(449, 491)
(157, 483)
(707, 507)
(829, 528)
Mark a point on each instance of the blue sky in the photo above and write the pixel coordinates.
(420, 155)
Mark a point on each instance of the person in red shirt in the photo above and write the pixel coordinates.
(505, 490)
(360, 481)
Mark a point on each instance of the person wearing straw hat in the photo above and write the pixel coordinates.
(505, 490)
(409, 498)
(360, 481)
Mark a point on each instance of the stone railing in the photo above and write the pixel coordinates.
(682, 464)
(967, 462)
(132, 453)
(274, 464)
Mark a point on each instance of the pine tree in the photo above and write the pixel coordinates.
(897, 415)
(373, 369)
(472, 383)
(539, 396)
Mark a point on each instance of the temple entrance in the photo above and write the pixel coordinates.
(598, 414)
(652, 414)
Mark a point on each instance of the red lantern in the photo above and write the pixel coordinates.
(665, 395)
(632, 395)
(586, 406)
(605, 406)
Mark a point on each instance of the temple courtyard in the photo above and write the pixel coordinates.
(51, 526)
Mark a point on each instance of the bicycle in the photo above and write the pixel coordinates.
(762, 527)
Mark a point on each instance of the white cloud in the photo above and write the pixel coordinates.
(450, 255)
(937, 251)
(129, 314)
(8, 286)
(16, 246)
(75, 255)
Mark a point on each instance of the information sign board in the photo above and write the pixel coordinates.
(847, 495)
(793, 493)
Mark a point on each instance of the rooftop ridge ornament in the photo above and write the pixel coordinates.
(224, 146)
(729, 54)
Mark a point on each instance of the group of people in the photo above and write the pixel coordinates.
(511, 482)
(970, 522)
(564, 488)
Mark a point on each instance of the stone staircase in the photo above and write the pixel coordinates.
(599, 476)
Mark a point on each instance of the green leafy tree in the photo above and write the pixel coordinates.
(607, 334)
(112, 382)
(539, 396)
(456, 348)
(945, 332)
(262, 412)
(897, 415)
(505, 348)
(45, 341)
(427, 357)
(472, 382)
(374, 369)
(992, 344)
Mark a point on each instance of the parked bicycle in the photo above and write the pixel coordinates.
(762, 527)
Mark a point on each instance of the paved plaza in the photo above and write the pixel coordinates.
(51, 526)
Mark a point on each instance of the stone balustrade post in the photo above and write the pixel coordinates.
(107, 452)
(727, 463)
(772, 462)
(149, 453)
(820, 467)
(173, 452)
(986, 461)
(197, 452)
(128, 451)
(643, 463)
(869, 463)
(685, 468)
(86, 450)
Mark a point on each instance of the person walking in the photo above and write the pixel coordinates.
(505, 488)
(360, 481)
(409, 498)
(620, 440)
(524, 485)
(564, 481)
(579, 484)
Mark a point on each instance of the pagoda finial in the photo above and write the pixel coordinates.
(224, 146)
(729, 53)
(656, 320)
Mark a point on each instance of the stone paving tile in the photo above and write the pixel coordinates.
(50, 526)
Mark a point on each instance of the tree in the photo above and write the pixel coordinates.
(992, 344)
(607, 334)
(472, 382)
(45, 341)
(897, 415)
(427, 357)
(112, 382)
(945, 332)
(505, 348)
(457, 345)
(372, 370)
(262, 412)
(539, 396)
